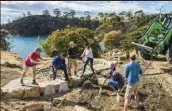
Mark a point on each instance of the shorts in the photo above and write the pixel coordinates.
(113, 83)
(25, 68)
(132, 89)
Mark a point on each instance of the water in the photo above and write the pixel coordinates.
(24, 45)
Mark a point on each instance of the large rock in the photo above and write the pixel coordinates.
(43, 84)
(76, 81)
(103, 81)
(33, 107)
(79, 108)
(15, 90)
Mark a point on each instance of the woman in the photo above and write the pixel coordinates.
(88, 54)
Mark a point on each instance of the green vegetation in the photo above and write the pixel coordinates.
(33, 25)
(5, 45)
(59, 39)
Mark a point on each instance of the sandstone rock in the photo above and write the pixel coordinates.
(49, 90)
(79, 108)
(43, 85)
(33, 107)
(15, 90)
(122, 58)
(102, 80)
(76, 81)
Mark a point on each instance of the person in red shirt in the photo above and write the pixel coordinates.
(31, 61)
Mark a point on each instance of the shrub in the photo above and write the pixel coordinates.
(112, 39)
(5, 45)
(131, 37)
(59, 39)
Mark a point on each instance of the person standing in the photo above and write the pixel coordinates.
(132, 72)
(72, 55)
(88, 54)
(59, 63)
(31, 61)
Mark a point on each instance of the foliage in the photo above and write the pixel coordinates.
(131, 37)
(5, 45)
(112, 39)
(59, 39)
(33, 25)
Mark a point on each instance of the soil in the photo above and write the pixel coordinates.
(152, 95)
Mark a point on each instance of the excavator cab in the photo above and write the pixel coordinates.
(157, 39)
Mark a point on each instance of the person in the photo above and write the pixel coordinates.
(31, 61)
(72, 54)
(88, 54)
(59, 63)
(132, 72)
(117, 81)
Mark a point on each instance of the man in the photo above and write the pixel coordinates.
(133, 69)
(31, 61)
(59, 63)
(116, 82)
(72, 54)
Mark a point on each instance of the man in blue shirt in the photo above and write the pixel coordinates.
(132, 72)
(58, 63)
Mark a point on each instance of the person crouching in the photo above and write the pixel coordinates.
(59, 63)
(117, 81)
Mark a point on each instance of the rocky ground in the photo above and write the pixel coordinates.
(154, 96)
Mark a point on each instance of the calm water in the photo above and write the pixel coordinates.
(24, 45)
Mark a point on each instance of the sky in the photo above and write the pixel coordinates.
(11, 10)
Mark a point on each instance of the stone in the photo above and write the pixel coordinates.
(49, 90)
(43, 85)
(102, 80)
(79, 108)
(122, 58)
(15, 90)
(33, 107)
(76, 81)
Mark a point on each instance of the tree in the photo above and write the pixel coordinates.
(46, 12)
(5, 45)
(66, 14)
(112, 40)
(101, 15)
(72, 13)
(57, 12)
(123, 14)
(59, 39)
(129, 15)
(87, 13)
(28, 13)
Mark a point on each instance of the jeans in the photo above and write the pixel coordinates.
(61, 68)
(91, 64)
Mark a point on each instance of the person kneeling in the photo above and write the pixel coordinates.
(59, 64)
(117, 81)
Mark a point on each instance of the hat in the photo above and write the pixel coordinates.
(113, 65)
(38, 49)
(71, 42)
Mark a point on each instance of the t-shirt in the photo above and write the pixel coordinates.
(88, 53)
(32, 56)
(116, 76)
(58, 62)
(72, 52)
(132, 72)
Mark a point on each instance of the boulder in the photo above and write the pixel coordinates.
(33, 107)
(75, 81)
(102, 80)
(15, 90)
(79, 108)
(43, 85)
(49, 90)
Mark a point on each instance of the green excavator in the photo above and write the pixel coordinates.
(157, 39)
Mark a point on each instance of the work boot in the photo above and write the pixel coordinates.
(21, 81)
(34, 82)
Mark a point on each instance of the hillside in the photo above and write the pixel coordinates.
(34, 25)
